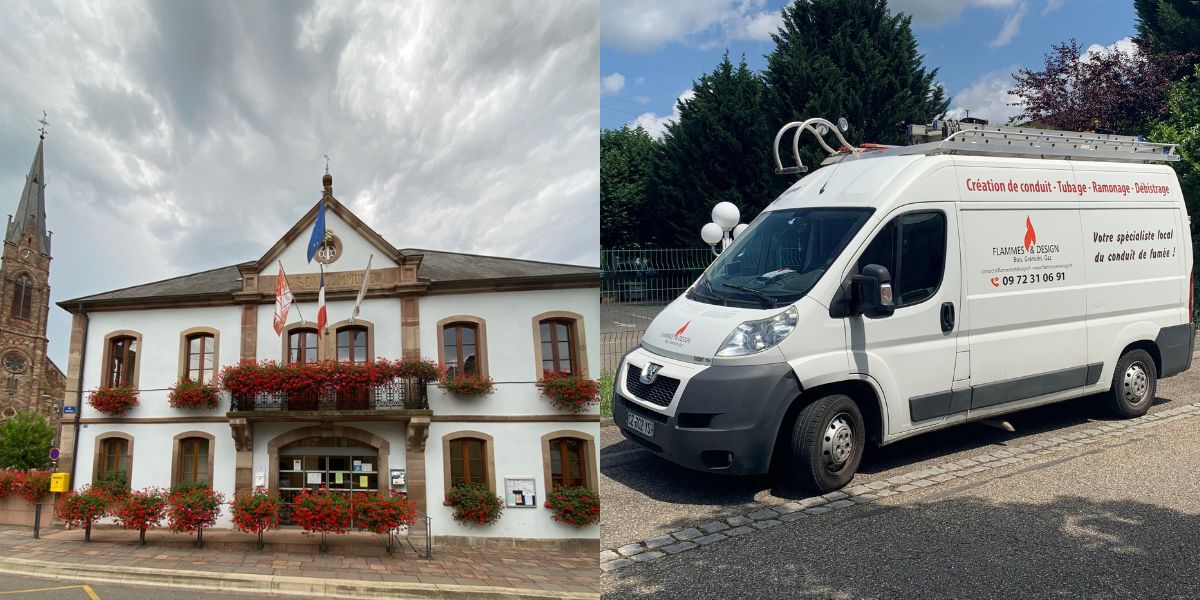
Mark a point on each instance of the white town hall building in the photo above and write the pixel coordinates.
(510, 318)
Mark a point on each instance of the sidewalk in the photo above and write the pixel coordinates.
(292, 565)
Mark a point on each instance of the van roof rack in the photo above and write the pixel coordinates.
(993, 140)
(980, 139)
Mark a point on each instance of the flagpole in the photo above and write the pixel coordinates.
(362, 291)
(294, 303)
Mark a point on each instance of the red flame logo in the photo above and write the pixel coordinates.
(1030, 235)
(682, 329)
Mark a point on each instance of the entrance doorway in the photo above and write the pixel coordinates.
(336, 463)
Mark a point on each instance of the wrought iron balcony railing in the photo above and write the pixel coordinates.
(397, 394)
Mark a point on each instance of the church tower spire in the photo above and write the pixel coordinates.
(31, 212)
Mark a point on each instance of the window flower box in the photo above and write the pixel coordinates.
(570, 392)
(188, 394)
(575, 506)
(115, 401)
(475, 504)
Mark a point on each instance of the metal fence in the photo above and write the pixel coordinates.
(634, 286)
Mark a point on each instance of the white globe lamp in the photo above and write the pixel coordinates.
(739, 229)
(726, 215)
(711, 234)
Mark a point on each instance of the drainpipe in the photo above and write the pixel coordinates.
(79, 396)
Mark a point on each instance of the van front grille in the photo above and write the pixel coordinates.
(660, 393)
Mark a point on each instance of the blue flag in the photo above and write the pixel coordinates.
(318, 233)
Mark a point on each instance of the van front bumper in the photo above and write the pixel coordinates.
(721, 419)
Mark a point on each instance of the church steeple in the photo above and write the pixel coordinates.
(32, 209)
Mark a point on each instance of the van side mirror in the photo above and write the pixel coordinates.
(871, 292)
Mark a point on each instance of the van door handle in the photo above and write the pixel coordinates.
(947, 316)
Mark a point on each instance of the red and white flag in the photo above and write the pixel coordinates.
(283, 300)
(321, 303)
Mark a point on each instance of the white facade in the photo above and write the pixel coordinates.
(514, 419)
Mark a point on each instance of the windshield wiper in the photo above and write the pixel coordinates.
(767, 297)
(710, 294)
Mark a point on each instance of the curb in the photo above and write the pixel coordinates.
(607, 422)
(766, 516)
(273, 584)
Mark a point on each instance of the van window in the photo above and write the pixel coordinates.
(919, 239)
(780, 257)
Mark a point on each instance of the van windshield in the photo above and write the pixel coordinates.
(779, 257)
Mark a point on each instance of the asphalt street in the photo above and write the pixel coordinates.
(1114, 520)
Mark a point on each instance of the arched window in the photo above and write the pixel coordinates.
(558, 345)
(113, 459)
(302, 346)
(352, 344)
(468, 462)
(200, 351)
(460, 348)
(22, 300)
(122, 361)
(193, 464)
(568, 463)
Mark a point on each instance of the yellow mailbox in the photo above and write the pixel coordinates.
(60, 482)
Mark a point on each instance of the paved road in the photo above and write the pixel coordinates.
(1110, 521)
(19, 587)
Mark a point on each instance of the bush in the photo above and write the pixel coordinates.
(80, 508)
(322, 511)
(570, 392)
(469, 385)
(576, 506)
(193, 507)
(25, 442)
(113, 401)
(31, 485)
(141, 509)
(381, 514)
(112, 486)
(475, 504)
(193, 395)
(257, 511)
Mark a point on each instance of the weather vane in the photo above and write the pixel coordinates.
(326, 164)
(44, 123)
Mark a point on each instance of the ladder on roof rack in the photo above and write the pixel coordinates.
(985, 140)
(956, 137)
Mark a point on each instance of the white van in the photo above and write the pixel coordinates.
(907, 289)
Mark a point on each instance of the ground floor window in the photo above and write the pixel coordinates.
(336, 463)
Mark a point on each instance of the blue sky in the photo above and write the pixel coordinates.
(651, 51)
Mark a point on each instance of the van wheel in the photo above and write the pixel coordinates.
(1134, 384)
(827, 443)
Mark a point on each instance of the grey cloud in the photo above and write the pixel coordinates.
(188, 136)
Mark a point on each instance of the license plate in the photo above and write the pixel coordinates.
(640, 424)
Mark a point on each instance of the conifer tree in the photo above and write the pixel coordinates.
(718, 150)
(854, 59)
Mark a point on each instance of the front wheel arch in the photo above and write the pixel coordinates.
(861, 391)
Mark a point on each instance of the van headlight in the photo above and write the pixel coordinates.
(756, 336)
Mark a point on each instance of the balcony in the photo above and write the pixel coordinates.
(392, 398)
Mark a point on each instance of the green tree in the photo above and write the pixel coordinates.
(718, 150)
(25, 442)
(1168, 26)
(1182, 127)
(625, 156)
(853, 59)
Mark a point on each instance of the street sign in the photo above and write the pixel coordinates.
(68, 410)
(54, 454)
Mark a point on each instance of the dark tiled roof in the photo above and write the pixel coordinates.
(217, 282)
(436, 267)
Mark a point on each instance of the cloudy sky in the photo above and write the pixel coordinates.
(652, 50)
(186, 136)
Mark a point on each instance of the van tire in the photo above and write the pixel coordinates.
(827, 443)
(1134, 384)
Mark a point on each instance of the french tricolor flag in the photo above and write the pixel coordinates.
(321, 303)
